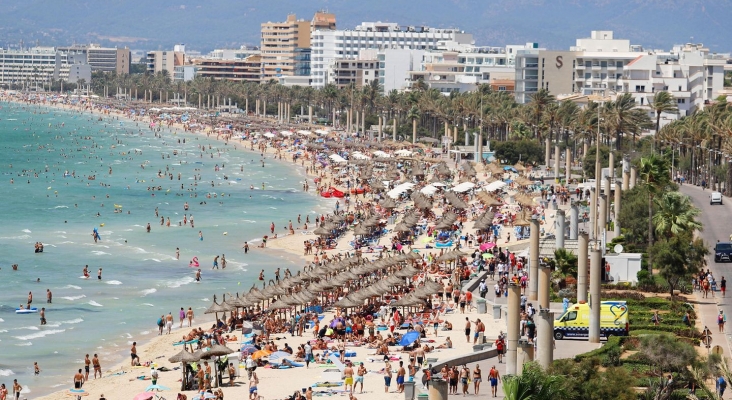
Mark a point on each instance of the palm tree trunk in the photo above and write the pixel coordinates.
(414, 130)
(650, 231)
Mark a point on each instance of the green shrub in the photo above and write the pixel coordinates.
(614, 342)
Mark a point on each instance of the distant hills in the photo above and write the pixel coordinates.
(204, 25)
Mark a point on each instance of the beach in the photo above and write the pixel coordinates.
(142, 278)
(284, 252)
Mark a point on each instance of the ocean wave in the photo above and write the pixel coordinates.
(100, 253)
(30, 328)
(71, 287)
(72, 321)
(72, 298)
(113, 282)
(24, 344)
(272, 208)
(53, 208)
(26, 231)
(148, 304)
(6, 372)
(94, 303)
(249, 221)
(178, 283)
(144, 332)
(148, 291)
(151, 259)
(40, 334)
(20, 237)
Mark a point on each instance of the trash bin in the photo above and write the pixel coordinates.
(438, 389)
(423, 396)
(409, 390)
(496, 311)
(482, 308)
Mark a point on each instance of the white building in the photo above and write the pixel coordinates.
(233, 54)
(328, 45)
(462, 67)
(29, 67)
(184, 73)
(394, 67)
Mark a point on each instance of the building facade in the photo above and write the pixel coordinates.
(463, 67)
(329, 45)
(246, 70)
(279, 46)
(360, 72)
(29, 67)
(104, 59)
(162, 60)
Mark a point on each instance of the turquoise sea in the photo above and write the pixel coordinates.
(141, 277)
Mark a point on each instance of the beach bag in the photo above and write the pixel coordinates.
(160, 322)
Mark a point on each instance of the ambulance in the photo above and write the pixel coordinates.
(575, 322)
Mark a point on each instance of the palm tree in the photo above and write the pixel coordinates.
(622, 116)
(675, 215)
(663, 102)
(534, 384)
(538, 103)
(653, 172)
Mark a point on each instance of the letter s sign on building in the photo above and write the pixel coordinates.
(559, 63)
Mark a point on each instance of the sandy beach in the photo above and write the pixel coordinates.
(122, 381)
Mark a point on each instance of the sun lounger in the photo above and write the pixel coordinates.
(337, 362)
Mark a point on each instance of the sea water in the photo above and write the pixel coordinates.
(141, 278)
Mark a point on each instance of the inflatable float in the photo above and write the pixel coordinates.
(443, 245)
(332, 193)
(194, 263)
(359, 190)
(26, 310)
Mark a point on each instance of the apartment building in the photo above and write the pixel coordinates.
(463, 67)
(359, 72)
(104, 59)
(162, 60)
(689, 72)
(29, 67)
(329, 45)
(279, 46)
(184, 73)
(246, 70)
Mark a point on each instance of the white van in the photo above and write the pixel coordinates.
(715, 197)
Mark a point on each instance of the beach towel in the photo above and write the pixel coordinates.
(327, 384)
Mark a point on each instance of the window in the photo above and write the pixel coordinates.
(588, 75)
(681, 101)
(603, 64)
(619, 64)
(570, 316)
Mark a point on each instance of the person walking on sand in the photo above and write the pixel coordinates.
(360, 374)
(348, 378)
(182, 316)
(189, 315)
(78, 379)
(87, 366)
(401, 372)
(133, 355)
(387, 377)
(97, 366)
(253, 382)
(169, 322)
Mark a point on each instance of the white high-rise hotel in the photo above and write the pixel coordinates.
(329, 45)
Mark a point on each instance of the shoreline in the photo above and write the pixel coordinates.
(150, 344)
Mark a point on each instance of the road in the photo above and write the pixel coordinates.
(717, 222)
